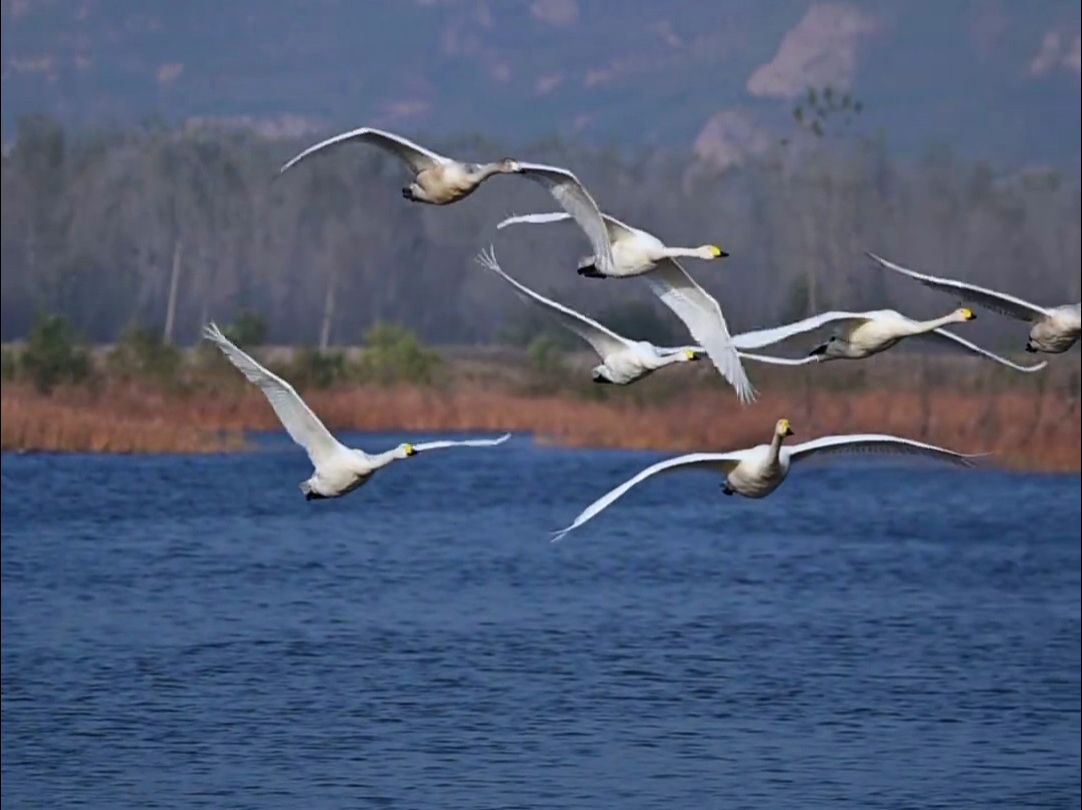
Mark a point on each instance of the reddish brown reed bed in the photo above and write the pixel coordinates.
(81, 420)
(1034, 428)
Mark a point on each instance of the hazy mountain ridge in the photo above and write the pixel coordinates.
(720, 75)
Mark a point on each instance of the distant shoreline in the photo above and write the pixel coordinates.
(1028, 422)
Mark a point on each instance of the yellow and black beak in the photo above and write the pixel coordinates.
(718, 252)
(970, 314)
(411, 450)
(789, 431)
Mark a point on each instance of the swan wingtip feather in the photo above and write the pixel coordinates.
(556, 537)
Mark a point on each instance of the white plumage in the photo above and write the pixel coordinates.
(862, 334)
(636, 252)
(758, 471)
(1054, 330)
(338, 469)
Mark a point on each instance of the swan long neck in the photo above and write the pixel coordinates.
(377, 460)
(702, 252)
(920, 327)
(775, 446)
(486, 170)
(668, 359)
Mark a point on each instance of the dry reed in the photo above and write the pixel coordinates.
(1030, 427)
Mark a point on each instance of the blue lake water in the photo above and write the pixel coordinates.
(189, 632)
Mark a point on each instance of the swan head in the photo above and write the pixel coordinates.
(964, 314)
(710, 252)
(783, 428)
(504, 166)
(690, 355)
(405, 450)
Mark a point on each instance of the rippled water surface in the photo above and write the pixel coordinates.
(189, 632)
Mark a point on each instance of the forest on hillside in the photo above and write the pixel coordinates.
(101, 226)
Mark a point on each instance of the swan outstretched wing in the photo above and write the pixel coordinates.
(999, 302)
(875, 443)
(414, 154)
(776, 334)
(603, 340)
(297, 418)
(973, 347)
(702, 316)
(445, 443)
(721, 462)
(577, 202)
(613, 226)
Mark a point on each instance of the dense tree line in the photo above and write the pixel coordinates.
(100, 227)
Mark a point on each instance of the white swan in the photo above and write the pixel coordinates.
(338, 469)
(623, 361)
(440, 180)
(862, 334)
(1055, 329)
(636, 252)
(758, 471)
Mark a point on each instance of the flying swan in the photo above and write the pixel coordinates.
(441, 180)
(758, 471)
(862, 334)
(1055, 329)
(338, 469)
(638, 253)
(623, 361)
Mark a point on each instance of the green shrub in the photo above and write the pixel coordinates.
(393, 353)
(247, 329)
(52, 355)
(311, 368)
(141, 353)
(546, 355)
(9, 364)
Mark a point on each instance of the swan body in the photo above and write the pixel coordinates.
(1058, 331)
(758, 471)
(338, 469)
(438, 179)
(638, 360)
(450, 182)
(1054, 330)
(862, 334)
(635, 253)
